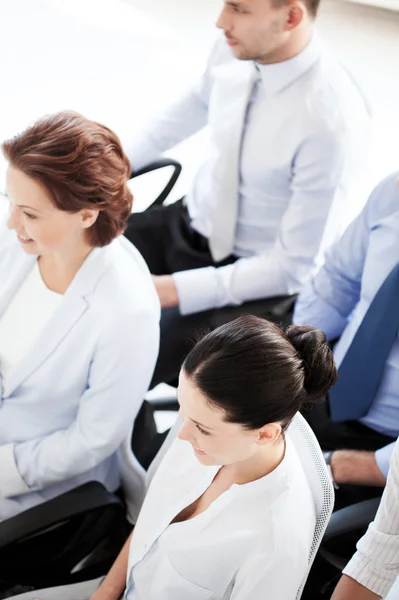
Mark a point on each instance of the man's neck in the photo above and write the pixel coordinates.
(294, 46)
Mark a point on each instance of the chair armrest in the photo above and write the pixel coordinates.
(80, 500)
(351, 518)
(160, 164)
(157, 164)
(164, 404)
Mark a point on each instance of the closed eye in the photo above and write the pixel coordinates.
(29, 215)
(238, 8)
(202, 430)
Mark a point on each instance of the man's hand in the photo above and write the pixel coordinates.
(166, 289)
(356, 467)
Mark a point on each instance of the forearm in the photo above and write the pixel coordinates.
(115, 582)
(356, 468)
(246, 280)
(349, 589)
(312, 309)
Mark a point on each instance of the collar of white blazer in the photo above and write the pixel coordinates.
(14, 267)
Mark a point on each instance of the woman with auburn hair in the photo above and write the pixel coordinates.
(78, 339)
(229, 513)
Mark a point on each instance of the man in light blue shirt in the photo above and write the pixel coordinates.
(289, 130)
(336, 301)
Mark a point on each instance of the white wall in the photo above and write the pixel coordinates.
(391, 4)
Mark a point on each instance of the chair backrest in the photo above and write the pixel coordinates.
(135, 456)
(133, 479)
(315, 469)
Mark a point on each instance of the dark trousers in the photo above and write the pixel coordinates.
(350, 435)
(169, 244)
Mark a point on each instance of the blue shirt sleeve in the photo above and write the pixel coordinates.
(383, 458)
(328, 300)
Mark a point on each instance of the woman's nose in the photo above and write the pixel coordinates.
(185, 432)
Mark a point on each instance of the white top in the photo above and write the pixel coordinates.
(240, 548)
(376, 562)
(305, 136)
(23, 321)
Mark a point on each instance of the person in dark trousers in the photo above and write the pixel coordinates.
(289, 129)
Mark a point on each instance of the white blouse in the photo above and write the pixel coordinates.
(24, 320)
(242, 547)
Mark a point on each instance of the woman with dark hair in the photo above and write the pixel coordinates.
(78, 339)
(229, 514)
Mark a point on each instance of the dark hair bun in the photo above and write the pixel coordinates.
(318, 360)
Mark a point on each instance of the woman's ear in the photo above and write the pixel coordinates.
(88, 216)
(269, 433)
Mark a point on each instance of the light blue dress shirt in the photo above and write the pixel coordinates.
(305, 136)
(337, 299)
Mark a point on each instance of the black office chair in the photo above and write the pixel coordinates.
(75, 536)
(162, 163)
(345, 528)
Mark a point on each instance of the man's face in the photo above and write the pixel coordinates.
(254, 29)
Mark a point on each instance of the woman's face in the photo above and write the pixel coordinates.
(215, 441)
(41, 227)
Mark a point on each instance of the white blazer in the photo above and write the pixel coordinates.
(73, 398)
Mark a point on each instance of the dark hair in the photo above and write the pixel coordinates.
(260, 374)
(81, 164)
(312, 5)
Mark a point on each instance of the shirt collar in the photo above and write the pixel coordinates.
(277, 76)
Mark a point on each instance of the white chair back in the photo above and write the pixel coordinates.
(133, 479)
(316, 472)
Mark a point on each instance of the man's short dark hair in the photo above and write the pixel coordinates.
(312, 5)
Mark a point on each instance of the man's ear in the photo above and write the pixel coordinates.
(295, 15)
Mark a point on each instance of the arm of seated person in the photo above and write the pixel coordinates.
(356, 467)
(117, 383)
(349, 589)
(319, 182)
(114, 583)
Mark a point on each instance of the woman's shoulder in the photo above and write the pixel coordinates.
(124, 283)
(124, 255)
